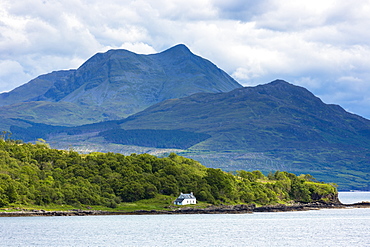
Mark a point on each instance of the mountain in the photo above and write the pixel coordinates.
(113, 85)
(277, 115)
(175, 101)
(276, 126)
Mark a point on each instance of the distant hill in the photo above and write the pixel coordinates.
(276, 126)
(277, 115)
(113, 85)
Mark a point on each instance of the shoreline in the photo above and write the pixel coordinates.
(223, 209)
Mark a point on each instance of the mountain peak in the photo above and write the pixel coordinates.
(279, 82)
(285, 90)
(283, 86)
(128, 80)
(179, 49)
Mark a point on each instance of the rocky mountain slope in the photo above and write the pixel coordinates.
(113, 85)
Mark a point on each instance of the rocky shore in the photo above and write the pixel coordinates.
(222, 209)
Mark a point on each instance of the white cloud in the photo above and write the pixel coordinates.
(295, 15)
(321, 45)
(138, 47)
(308, 82)
(349, 79)
(11, 75)
(179, 10)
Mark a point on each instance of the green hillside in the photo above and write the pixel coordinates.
(277, 115)
(282, 123)
(37, 175)
(276, 126)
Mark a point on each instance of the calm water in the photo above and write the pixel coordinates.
(352, 197)
(330, 227)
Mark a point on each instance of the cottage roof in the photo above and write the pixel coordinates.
(185, 196)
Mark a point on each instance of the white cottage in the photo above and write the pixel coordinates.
(185, 199)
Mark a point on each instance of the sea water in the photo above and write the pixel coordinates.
(353, 197)
(327, 227)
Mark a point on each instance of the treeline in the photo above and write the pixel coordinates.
(33, 131)
(37, 174)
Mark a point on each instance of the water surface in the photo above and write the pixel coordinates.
(353, 197)
(328, 227)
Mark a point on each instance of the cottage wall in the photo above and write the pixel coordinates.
(185, 199)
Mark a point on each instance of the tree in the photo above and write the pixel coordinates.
(131, 192)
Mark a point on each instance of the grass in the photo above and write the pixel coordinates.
(160, 202)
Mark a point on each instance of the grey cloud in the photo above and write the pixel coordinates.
(241, 10)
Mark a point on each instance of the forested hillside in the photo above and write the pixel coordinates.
(34, 174)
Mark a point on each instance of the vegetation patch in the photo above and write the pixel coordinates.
(36, 175)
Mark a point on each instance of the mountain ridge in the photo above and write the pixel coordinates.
(118, 83)
(199, 106)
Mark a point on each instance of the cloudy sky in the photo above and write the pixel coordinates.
(323, 45)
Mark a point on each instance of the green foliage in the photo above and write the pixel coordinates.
(35, 174)
(4, 135)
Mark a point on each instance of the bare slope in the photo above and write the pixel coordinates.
(114, 85)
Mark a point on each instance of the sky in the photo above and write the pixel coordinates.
(322, 45)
